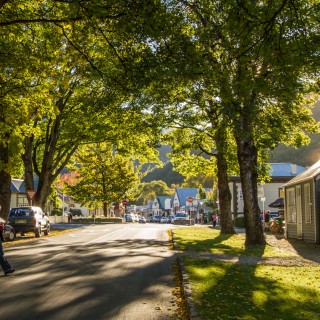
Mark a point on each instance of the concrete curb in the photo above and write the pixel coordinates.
(186, 288)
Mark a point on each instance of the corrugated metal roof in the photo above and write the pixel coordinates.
(285, 170)
(282, 170)
(308, 174)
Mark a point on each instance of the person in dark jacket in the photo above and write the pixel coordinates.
(5, 265)
(267, 217)
(70, 217)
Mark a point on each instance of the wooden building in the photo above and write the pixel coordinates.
(302, 205)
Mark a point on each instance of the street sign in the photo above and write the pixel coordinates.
(31, 194)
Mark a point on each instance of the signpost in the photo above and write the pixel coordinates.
(31, 194)
(190, 200)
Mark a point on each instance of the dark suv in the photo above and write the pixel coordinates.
(29, 219)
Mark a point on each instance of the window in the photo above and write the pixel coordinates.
(307, 203)
(291, 206)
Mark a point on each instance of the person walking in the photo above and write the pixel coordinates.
(5, 265)
(267, 217)
(214, 219)
(70, 217)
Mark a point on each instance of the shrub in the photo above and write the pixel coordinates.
(76, 212)
(239, 222)
(56, 212)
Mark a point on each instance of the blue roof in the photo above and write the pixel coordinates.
(311, 173)
(285, 170)
(162, 200)
(14, 188)
(64, 197)
(22, 188)
(184, 193)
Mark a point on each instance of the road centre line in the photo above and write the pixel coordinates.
(107, 235)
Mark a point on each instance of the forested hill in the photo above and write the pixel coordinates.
(305, 156)
(165, 174)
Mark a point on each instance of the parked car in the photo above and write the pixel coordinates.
(129, 218)
(29, 219)
(163, 220)
(8, 232)
(142, 220)
(170, 218)
(180, 216)
(157, 219)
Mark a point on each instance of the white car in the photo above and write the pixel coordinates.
(164, 220)
(180, 216)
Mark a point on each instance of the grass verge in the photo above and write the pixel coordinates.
(29, 237)
(227, 290)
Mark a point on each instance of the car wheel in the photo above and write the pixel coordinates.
(38, 232)
(11, 235)
(47, 231)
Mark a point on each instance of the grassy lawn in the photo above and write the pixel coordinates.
(209, 240)
(225, 290)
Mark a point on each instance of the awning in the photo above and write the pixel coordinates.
(279, 203)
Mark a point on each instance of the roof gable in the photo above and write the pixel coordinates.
(308, 174)
(162, 201)
(13, 187)
(184, 193)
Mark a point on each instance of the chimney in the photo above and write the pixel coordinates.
(293, 169)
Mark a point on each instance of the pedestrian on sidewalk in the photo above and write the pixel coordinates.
(5, 265)
(214, 219)
(70, 217)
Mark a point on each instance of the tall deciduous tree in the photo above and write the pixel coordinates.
(104, 176)
(77, 49)
(255, 60)
(21, 98)
(208, 159)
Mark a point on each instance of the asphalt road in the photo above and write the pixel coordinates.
(95, 272)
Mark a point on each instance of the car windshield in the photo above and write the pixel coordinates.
(181, 215)
(16, 212)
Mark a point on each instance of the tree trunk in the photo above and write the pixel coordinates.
(105, 209)
(27, 161)
(224, 194)
(247, 157)
(117, 212)
(44, 184)
(5, 181)
(54, 159)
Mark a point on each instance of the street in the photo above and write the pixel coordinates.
(95, 272)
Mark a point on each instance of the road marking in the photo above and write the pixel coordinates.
(107, 235)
